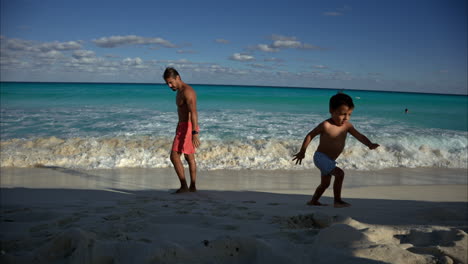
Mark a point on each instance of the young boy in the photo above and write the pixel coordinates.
(332, 133)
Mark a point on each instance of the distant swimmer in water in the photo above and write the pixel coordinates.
(406, 111)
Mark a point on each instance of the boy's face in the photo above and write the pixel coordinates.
(173, 83)
(341, 115)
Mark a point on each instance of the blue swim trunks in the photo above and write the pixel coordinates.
(325, 164)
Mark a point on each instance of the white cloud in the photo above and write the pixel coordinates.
(111, 56)
(320, 67)
(309, 46)
(83, 54)
(261, 66)
(132, 62)
(16, 44)
(332, 14)
(70, 45)
(241, 57)
(281, 37)
(26, 45)
(284, 42)
(115, 41)
(186, 52)
(173, 62)
(222, 41)
(24, 49)
(273, 59)
(53, 54)
(338, 12)
(84, 61)
(266, 48)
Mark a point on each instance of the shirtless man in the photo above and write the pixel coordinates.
(332, 133)
(186, 139)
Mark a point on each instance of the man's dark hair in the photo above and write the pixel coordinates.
(340, 99)
(170, 73)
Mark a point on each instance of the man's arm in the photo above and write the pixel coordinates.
(192, 108)
(301, 154)
(363, 139)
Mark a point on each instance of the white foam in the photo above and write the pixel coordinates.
(270, 154)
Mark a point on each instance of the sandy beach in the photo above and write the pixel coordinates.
(59, 215)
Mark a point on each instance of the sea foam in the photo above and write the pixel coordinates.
(267, 154)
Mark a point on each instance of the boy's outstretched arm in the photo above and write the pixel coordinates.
(298, 157)
(363, 139)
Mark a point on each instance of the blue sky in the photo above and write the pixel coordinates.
(418, 46)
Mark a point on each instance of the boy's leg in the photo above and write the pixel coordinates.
(337, 186)
(324, 183)
(190, 158)
(179, 168)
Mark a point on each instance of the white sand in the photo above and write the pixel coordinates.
(56, 215)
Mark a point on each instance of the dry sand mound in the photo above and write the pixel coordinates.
(211, 227)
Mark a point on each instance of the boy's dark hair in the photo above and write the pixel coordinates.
(170, 73)
(340, 99)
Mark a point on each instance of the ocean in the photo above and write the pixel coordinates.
(106, 126)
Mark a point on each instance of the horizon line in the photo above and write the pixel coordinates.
(241, 85)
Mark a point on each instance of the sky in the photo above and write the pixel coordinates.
(392, 45)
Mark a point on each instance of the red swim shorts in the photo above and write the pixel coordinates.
(183, 139)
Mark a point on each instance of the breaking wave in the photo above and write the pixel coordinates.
(153, 152)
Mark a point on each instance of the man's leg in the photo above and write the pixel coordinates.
(179, 168)
(193, 171)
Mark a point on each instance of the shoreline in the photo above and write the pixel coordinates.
(224, 179)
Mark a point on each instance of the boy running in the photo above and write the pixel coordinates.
(332, 133)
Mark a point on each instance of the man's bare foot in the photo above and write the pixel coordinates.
(315, 203)
(192, 188)
(183, 189)
(341, 204)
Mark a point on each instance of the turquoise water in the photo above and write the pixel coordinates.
(242, 126)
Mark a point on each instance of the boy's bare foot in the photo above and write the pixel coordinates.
(341, 204)
(316, 203)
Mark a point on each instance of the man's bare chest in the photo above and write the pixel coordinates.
(180, 100)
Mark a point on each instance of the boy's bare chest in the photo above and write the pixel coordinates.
(336, 133)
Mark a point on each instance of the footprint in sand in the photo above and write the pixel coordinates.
(306, 221)
(135, 213)
(144, 199)
(254, 215)
(38, 228)
(113, 217)
(104, 209)
(29, 215)
(222, 210)
(65, 222)
(230, 227)
(449, 246)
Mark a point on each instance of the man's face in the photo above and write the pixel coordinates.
(173, 83)
(341, 115)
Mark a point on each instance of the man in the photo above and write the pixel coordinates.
(186, 139)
